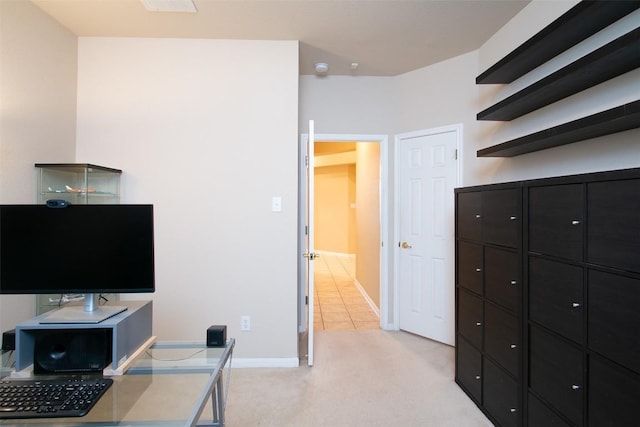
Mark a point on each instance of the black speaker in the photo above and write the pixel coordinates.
(216, 336)
(71, 350)
(9, 340)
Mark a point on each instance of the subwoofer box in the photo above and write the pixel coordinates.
(216, 336)
(71, 350)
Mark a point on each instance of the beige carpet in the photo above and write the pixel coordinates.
(359, 378)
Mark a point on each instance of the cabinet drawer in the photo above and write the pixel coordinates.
(500, 395)
(470, 266)
(469, 215)
(556, 296)
(501, 338)
(542, 416)
(556, 220)
(614, 317)
(469, 369)
(555, 373)
(613, 233)
(502, 277)
(470, 317)
(613, 395)
(501, 217)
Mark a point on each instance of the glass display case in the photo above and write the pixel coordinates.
(78, 183)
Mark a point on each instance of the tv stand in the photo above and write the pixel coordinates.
(129, 330)
(90, 312)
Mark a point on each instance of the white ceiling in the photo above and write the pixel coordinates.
(386, 37)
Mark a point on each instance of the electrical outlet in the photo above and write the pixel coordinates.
(245, 323)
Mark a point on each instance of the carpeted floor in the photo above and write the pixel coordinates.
(359, 378)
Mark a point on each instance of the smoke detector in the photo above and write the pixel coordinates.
(322, 68)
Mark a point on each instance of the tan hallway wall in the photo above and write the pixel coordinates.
(334, 213)
(348, 195)
(368, 219)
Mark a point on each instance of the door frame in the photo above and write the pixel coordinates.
(383, 141)
(398, 138)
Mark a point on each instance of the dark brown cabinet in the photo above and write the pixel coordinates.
(469, 363)
(501, 338)
(555, 221)
(614, 317)
(470, 267)
(541, 416)
(502, 277)
(470, 318)
(555, 373)
(556, 296)
(614, 224)
(500, 395)
(489, 284)
(469, 221)
(613, 395)
(501, 217)
(548, 306)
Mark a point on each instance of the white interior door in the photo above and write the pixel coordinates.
(309, 248)
(428, 175)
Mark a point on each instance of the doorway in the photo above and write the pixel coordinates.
(347, 235)
(382, 141)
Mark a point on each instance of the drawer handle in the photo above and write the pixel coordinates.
(477, 377)
(477, 216)
(575, 222)
(513, 218)
(478, 323)
(575, 387)
(575, 304)
(514, 282)
(512, 410)
(478, 270)
(513, 346)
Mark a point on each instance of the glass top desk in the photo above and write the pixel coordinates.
(170, 384)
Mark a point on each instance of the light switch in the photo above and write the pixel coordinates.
(276, 204)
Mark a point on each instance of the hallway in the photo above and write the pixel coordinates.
(339, 304)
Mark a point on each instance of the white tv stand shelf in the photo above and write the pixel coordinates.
(129, 330)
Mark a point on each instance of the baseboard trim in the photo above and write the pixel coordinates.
(291, 362)
(366, 297)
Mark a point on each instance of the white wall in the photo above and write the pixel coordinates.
(206, 130)
(441, 95)
(37, 112)
(347, 104)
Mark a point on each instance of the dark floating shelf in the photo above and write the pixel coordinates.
(618, 119)
(615, 58)
(580, 22)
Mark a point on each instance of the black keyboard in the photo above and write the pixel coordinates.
(50, 397)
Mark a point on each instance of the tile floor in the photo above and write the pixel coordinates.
(339, 304)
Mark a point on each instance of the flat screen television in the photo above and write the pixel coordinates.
(77, 249)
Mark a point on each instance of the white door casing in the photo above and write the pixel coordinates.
(427, 173)
(309, 250)
(386, 294)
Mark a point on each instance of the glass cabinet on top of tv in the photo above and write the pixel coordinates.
(77, 183)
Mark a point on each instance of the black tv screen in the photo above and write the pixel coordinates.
(76, 249)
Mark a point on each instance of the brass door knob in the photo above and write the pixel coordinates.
(405, 245)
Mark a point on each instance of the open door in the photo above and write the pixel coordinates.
(309, 249)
